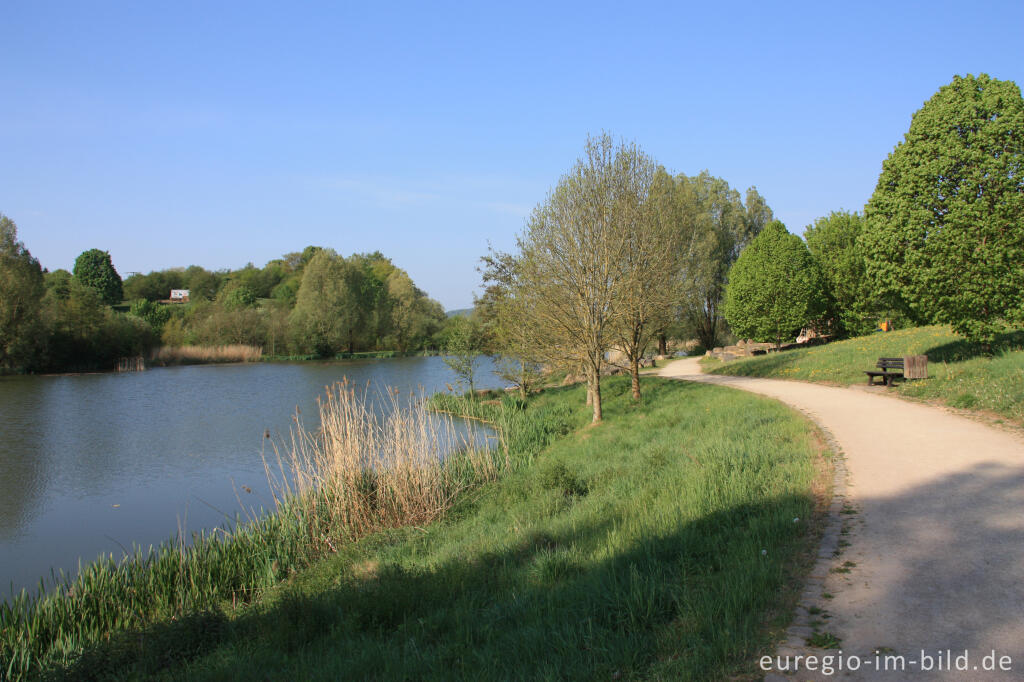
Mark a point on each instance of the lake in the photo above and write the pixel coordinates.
(91, 464)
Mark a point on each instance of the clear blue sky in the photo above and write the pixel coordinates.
(215, 133)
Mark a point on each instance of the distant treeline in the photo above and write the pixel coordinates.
(309, 303)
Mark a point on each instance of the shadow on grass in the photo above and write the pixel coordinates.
(962, 349)
(688, 605)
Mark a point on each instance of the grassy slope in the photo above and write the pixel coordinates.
(634, 547)
(959, 375)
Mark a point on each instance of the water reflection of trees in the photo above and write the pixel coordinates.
(22, 462)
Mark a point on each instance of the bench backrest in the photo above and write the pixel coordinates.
(890, 363)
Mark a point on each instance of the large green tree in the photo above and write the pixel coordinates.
(414, 317)
(774, 287)
(567, 279)
(94, 269)
(945, 225)
(834, 242)
(21, 293)
(649, 276)
(714, 225)
(327, 315)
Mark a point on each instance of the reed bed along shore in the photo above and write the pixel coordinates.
(369, 464)
(195, 355)
(375, 462)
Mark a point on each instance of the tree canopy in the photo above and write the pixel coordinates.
(21, 291)
(944, 233)
(713, 226)
(834, 243)
(583, 278)
(94, 269)
(566, 275)
(326, 313)
(55, 321)
(774, 287)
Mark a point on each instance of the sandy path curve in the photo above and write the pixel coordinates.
(938, 537)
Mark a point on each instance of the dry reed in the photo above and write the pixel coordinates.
(373, 465)
(186, 355)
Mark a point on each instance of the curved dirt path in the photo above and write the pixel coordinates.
(937, 537)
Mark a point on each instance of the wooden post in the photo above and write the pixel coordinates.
(915, 366)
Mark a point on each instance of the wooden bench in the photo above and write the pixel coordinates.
(891, 369)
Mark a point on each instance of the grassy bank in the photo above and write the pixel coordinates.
(658, 544)
(959, 373)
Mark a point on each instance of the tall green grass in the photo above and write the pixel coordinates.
(960, 374)
(52, 627)
(522, 433)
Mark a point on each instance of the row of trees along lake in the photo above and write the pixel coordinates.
(313, 303)
(621, 253)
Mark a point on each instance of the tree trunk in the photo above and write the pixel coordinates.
(597, 395)
(634, 370)
(662, 344)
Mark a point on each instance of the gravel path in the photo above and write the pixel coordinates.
(934, 518)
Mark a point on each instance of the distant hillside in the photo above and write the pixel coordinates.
(461, 311)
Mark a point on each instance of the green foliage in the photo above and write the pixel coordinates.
(556, 476)
(216, 324)
(774, 287)
(260, 282)
(287, 290)
(202, 284)
(308, 253)
(834, 243)
(414, 317)
(326, 318)
(156, 286)
(58, 284)
(84, 333)
(94, 269)
(945, 226)
(237, 295)
(21, 292)
(155, 314)
(462, 349)
(715, 226)
(364, 303)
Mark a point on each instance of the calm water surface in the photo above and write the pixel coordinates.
(92, 464)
